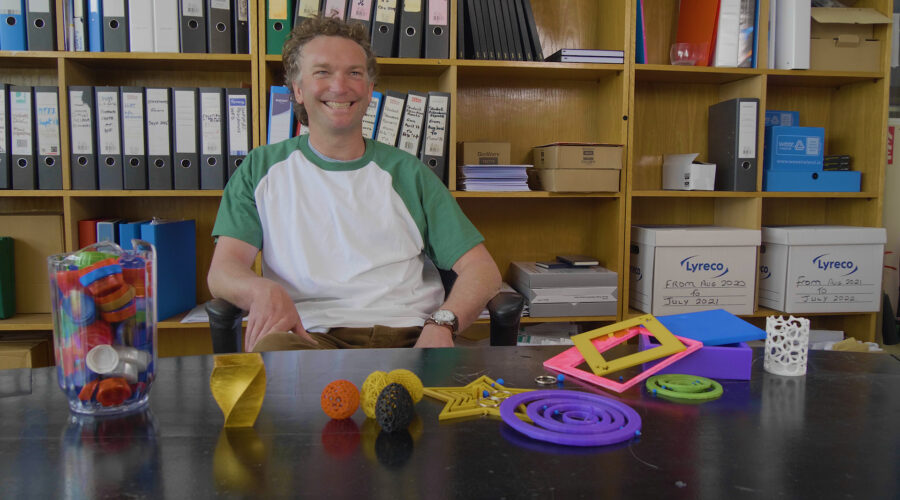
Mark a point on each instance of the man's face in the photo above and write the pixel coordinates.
(334, 85)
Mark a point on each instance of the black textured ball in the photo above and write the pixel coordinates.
(394, 408)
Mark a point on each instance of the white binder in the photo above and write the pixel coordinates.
(140, 26)
(413, 119)
(792, 34)
(391, 113)
(166, 34)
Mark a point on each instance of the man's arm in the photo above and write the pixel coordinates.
(477, 282)
(231, 278)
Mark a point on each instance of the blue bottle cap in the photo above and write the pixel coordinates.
(80, 308)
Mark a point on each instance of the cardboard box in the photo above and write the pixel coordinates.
(843, 39)
(578, 156)
(681, 173)
(680, 269)
(36, 237)
(826, 181)
(574, 180)
(794, 148)
(729, 361)
(783, 118)
(484, 153)
(24, 354)
(806, 269)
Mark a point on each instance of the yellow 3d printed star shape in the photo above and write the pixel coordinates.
(469, 400)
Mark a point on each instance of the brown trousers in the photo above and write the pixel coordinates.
(342, 338)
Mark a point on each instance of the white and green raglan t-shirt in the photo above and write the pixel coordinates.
(349, 241)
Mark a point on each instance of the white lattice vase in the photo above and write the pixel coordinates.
(787, 345)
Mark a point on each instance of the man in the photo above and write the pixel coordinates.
(348, 227)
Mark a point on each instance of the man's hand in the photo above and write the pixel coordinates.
(272, 310)
(435, 336)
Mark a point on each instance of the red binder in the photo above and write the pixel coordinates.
(697, 25)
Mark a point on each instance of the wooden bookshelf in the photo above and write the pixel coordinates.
(652, 109)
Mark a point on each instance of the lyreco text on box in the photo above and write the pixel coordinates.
(577, 155)
(681, 269)
(794, 148)
(484, 153)
(807, 269)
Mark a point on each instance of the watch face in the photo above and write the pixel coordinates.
(444, 316)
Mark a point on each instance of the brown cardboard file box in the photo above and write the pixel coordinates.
(484, 153)
(559, 180)
(843, 39)
(24, 354)
(35, 237)
(572, 156)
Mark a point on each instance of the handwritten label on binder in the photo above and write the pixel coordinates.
(386, 11)
(411, 131)
(436, 125)
(437, 12)
(238, 137)
(211, 123)
(133, 123)
(2, 121)
(47, 112)
(361, 9)
(80, 118)
(158, 122)
(108, 123)
(20, 122)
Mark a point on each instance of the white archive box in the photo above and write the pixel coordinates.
(681, 269)
(804, 269)
(680, 172)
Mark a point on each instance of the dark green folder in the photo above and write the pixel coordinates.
(7, 279)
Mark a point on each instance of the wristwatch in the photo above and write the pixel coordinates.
(444, 317)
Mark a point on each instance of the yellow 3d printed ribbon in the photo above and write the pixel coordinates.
(238, 384)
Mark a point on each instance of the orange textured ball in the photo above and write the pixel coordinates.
(340, 399)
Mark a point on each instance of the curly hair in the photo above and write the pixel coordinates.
(292, 51)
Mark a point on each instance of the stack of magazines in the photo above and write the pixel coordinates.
(493, 178)
(588, 56)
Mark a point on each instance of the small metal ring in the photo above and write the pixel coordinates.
(545, 380)
(501, 395)
(490, 402)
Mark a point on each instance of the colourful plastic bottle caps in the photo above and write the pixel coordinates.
(80, 308)
(97, 333)
(87, 392)
(115, 299)
(113, 391)
(103, 280)
(67, 281)
(85, 259)
(135, 278)
(119, 314)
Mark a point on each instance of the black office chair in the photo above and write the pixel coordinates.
(505, 310)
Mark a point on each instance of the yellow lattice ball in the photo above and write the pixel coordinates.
(409, 381)
(371, 388)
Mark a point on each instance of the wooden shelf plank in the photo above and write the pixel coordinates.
(186, 193)
(530, 194)
(31, 322)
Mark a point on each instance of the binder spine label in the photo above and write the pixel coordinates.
(80, 117)
(411, 130)
(307, 8)
(192, 8)
(371, 117)
(113, 8)
(278, 9)
(39, 5)
(185, 122)
(211, 124)
(133, 123)
(390, 120)
(20, 123)
(334, 8)
(360, 9)
(747, 130)
(412, 5)
(238, 138)
(47, 111)
(386, 11)
(437, 12)
(158, 123)
(3, 131)
(436, 126)
(10, 8)
(108, 123)
(220, 4)
(242, 11)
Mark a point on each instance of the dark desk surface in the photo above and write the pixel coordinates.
(833, 433)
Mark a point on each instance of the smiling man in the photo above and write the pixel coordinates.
(351, 231)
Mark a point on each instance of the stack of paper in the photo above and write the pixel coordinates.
(493, 178)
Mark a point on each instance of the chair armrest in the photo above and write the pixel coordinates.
(506, 311)
(224, 325)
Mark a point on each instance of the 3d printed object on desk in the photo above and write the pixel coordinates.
(732, 361)
(471, 401)
(617, 333)
(684, 388)
(567, 361)
(572, 418)
(713, 327)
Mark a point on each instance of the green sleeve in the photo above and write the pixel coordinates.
(238, 217)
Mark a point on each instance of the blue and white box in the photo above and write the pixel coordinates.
(811, 269)
(681, 269)
(794, 148)
(783, 118)
(825, 181)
